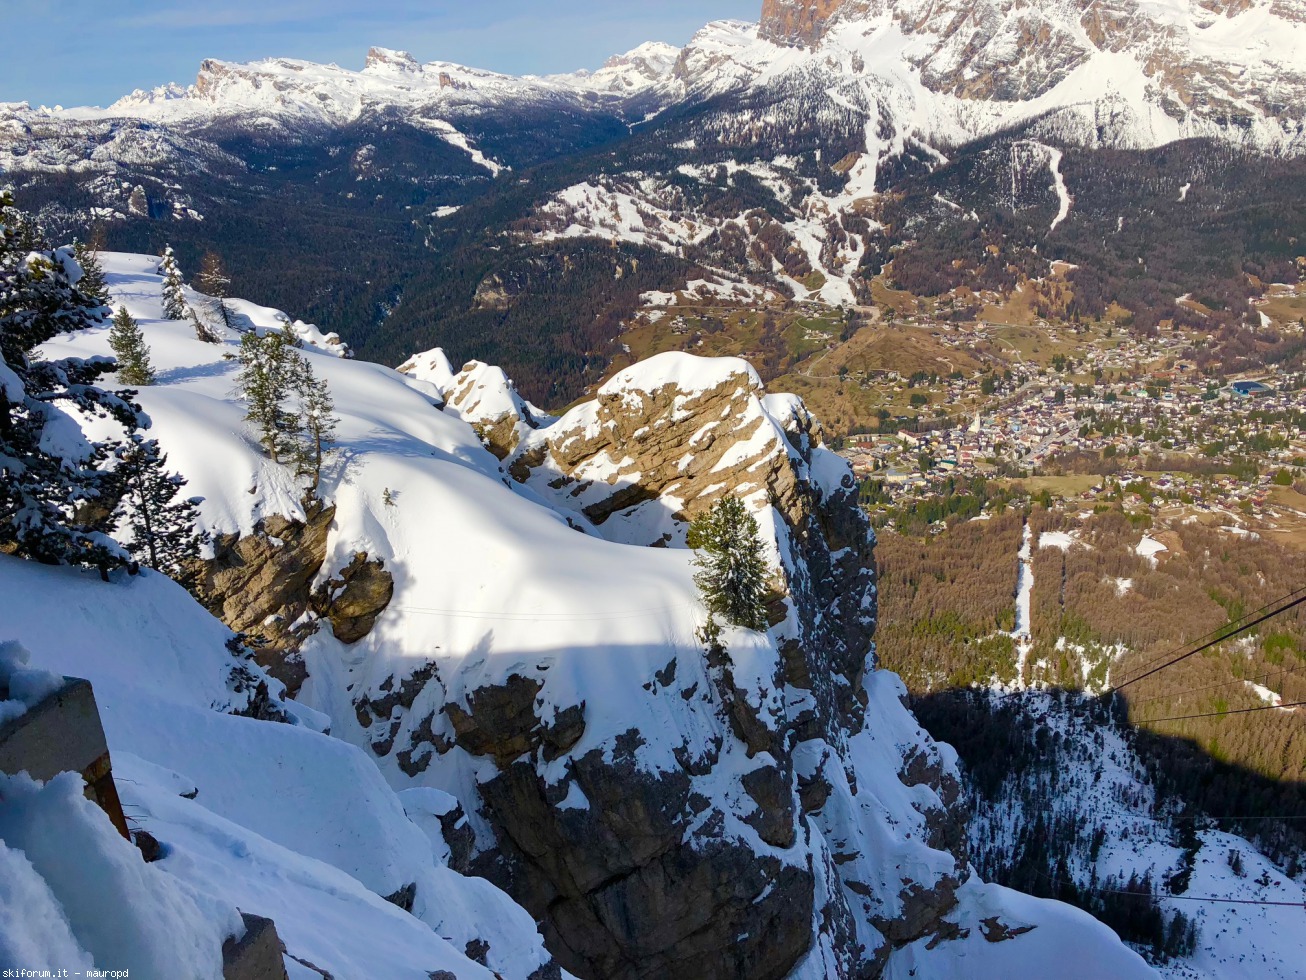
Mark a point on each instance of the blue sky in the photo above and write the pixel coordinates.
(90, 52)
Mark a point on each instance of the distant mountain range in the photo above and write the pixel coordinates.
(796, 156)
(1121, 73)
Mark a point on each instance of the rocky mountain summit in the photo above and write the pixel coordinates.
(1211, 63)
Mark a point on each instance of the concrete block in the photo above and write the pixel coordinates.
(63, 734)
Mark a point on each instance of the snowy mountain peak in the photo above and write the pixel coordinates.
(160, 93)
(653, 57)
(686, 372)
(807, 22)
(281, 91)
(1206, 57)
(388, 60)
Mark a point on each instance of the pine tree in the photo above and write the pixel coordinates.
(212, 279)
(174, 300)
(731, 572)
(268, 372)
(92, 284)
(129, 346)
(164, 530)
(317, 423)
(214, 282)
(54, 492)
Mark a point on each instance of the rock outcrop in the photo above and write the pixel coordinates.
(481, 395)
(663, 441)
(1013, 52)
(353, 600)
(723, 825)
(262, 585)
(797, 21)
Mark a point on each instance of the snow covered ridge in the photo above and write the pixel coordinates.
(286, 94)
(291, 87)
(1178, 68)
(768, 807)
(1127, 73)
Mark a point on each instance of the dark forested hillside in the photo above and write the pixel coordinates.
(355, 228)
(1145, 227)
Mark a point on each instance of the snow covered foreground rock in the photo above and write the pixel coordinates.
(265, 817)
(768, 809)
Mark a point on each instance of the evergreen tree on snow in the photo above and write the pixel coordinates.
(54, 494)
(214, 282)
(317, 423)
(269, 370)
(731, 572)
(164, 529)
(129, 347)
(174, 300)
(92, 284)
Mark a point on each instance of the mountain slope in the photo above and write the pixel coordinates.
(767, 805)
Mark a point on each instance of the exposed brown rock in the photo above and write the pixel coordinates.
(774, 817)
(501, 721)
(945, 826)
(621, 895)
(996, 931)
(813, 793)
(259, 584)
(404, 897)
(498, 721)
(745, 721)
(368, 710)
(354, 600)
(797, 21)
(491, 295)
(458, 834)
(922, 910)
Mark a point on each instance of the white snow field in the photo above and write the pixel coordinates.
(284, 822)
(307, 828)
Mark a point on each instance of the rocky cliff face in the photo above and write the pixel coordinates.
(264, 586)
(797, 21)
(723, 824)
(1207, 57)
(763, 806)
